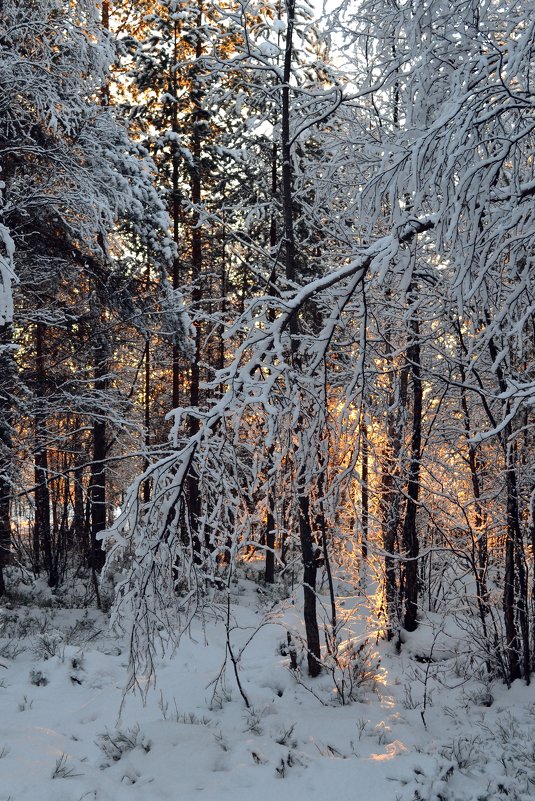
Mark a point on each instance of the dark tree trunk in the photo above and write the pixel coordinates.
(515, 592)
(532, 543)
(512, 644)
(175, 211)
(42, 529)
(270, 526)
(269, 574)
(321, 524)
(479, 543)
(5, 526)
(309, 584)
(7, 368)
(147, 485)
(515, 574)
(105, 19)
(194, 500)
(305, 528)
(410, 533)
(146, 419)
(79, 535)
(97, 486)
(273, 233)
(390, 502)
(364, 492)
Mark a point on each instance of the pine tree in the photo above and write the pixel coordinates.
(74, 190)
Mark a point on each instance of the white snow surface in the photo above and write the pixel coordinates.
(67, 733)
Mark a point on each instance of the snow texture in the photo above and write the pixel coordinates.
(426, 724)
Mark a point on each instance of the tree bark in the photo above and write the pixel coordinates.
(97, 486)
(410, 533)
(479, 546)
(309, 586)
(6, 448)
(390, 501)
(198, 119)
(305, 528)
(515, 580)
(42, 529)
(146, 419)
(270, 520)
(269, 573)
(175, 211)
(365, 490)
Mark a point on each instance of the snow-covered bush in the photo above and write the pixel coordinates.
(47, 644)
(115, 744)
(353, 666)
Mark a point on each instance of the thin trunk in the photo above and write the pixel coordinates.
(146, 420)
(310, 570)
(78, 526)
(5, 530)
(269, 574)
(479, 546)
(6, 449)
(365, 490)
(511, 545)
(515, 599)
(63, 503)
(223, 289)
(410, 534)
(175, 212)
(532, 543)
(514, 534)
(273, 234)
(146, 401)
(390, 502)
(480, 521)
(106, 14)
(196, 274)
(321, 523)
(42, 530)
(97, 488)
(105, 19)
(305, 528)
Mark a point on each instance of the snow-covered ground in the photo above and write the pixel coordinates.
(419, 729)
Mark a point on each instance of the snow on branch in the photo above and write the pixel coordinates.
(7, 275)
(173, 561)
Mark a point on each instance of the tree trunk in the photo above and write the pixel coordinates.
(515, 574)
(175, 212)
(309, 584)
(532, 543)
(79, 530)
(269, 574)
(365, 490)
(305, 528)
(515, 580)
(390, 501)
(194, 500)
(97, 486)
(479, 546)
(512, 645)
(42, 530)
(410, 533)
(146, 419)
(273, 233)
(7, 367)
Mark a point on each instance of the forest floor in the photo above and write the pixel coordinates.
(422, 724)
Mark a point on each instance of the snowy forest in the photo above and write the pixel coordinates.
(267, 378)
